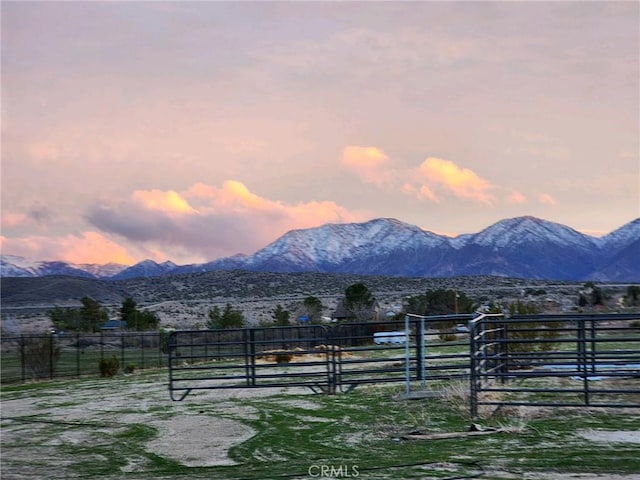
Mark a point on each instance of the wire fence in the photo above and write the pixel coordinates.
(55, 356)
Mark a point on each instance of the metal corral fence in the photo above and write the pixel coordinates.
(323, 358)
(538, 360)
(557, 361)
(30, 357)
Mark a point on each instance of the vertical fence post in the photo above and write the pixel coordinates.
(423, 355)
(326, 341)
(245, 351)
(51, 359)
(332, 347)
(407, 359)
(121, 350)
(582, 360)
(593, 346)
(341, 341)
(142, 345)
(505, 348)
(501, 357)
(473, 394)
(420, 351)
(78, 354)
(166, 343)
(252, 356)
(23, 365)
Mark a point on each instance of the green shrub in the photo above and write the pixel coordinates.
(109, 366)
(283, 357)
(130, 368)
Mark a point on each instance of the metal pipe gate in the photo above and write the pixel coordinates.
(555, 361)
(328, 359)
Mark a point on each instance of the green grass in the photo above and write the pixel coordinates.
(365, 429)
(74, 362)
(377, 423)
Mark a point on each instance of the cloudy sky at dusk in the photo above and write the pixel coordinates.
(192, 131)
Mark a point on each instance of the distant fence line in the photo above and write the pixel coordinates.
(69, 355)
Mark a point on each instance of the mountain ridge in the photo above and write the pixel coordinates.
(524, 247)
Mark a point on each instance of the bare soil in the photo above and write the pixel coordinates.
(35, 427)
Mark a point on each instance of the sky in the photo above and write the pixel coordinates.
(191, 131)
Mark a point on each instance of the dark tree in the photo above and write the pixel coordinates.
(228, 318)
(594, 294)
(632, 298)
(139, 320)
(128, 310)
(281, 316)
(440, 302)
(358, 302)
(65, 318)
(92, 315)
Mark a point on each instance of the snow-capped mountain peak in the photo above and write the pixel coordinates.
(333, 244)
(16, 266)
(525, 247)
(516, 231)
(625, 235)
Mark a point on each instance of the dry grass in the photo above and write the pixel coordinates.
(300, 355)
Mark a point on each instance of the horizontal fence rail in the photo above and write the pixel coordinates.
(327, 359)
(33, 357)
(559, 361)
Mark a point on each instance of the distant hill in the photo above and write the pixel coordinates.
(221, 286)
(522, 247)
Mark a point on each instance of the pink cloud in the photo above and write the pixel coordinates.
(433, 175)
(234, 198)
(206, 222)
(233, 195)
(516, 197)
(462, 182)
(201, 223)
(370, 163)
(89, 247)
(546, 199)
(170, 201)
(422, 192)
(13, 220)
(373, 166)
(426, 193)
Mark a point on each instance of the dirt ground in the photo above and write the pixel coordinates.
(108, 407)
(39, 427)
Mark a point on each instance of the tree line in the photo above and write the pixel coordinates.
(92, 316)
(357, 304)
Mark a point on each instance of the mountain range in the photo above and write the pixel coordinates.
(523, 247)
